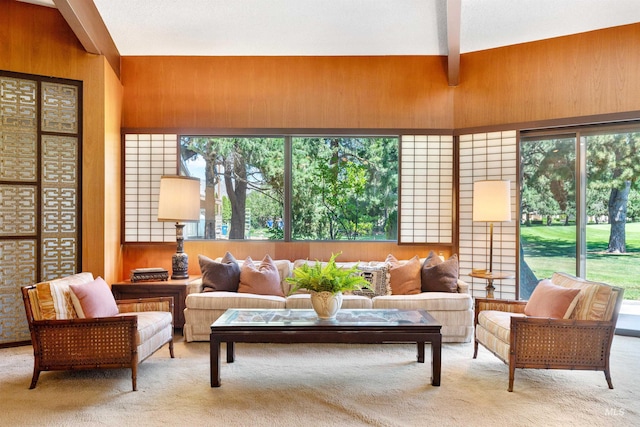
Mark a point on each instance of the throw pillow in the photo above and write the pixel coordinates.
(378, 277)
(405, 278)
(219, 276)
(439, 276)
(55, 301)
(262, 279)
(549, 300)
(93, 299)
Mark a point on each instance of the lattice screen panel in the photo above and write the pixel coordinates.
(426, 189)
(40, 122)
(488, 156)
(147, 158)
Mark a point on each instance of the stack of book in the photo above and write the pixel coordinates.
(152, 273)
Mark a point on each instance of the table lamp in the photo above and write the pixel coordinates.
(491, 203)
(179, 202)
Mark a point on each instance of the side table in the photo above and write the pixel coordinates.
(490, 276)
(167, 288)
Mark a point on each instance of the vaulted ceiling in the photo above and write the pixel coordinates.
(335, 27)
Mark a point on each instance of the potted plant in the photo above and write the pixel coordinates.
(326, 283)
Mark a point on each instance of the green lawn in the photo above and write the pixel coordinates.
(552, 248)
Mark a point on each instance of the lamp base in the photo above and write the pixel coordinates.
(180, 266)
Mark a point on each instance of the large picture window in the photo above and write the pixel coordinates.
(342, 188)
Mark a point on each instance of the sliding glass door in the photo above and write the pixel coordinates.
(580, 207)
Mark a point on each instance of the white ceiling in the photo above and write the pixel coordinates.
(344, 27)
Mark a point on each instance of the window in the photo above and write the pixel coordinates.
(296, 188)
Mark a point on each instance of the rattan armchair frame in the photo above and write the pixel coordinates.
(543, 343)
(95, 343)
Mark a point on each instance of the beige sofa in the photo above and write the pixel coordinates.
(454, 310)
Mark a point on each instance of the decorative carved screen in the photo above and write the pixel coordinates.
(40, 138)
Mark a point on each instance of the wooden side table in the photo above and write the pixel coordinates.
(167, 288)
(490, 276)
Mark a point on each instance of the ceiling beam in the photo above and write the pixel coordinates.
(87, 24)
(453, 41)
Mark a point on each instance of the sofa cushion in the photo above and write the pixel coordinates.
(224, 300)
(93, 299)
(549, 300)
(405, 278)
(54, 297)
(439, 276)
(348, 301)
(261, 279)
(150, 323)
(223, 275)
(436, 301)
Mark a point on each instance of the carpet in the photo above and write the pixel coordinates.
(322, 385)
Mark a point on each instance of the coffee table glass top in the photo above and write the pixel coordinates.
(301, 317)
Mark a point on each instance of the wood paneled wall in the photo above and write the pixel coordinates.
(286, 92)
(585, 74)
(37, 40)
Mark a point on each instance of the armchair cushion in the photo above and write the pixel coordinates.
(553, 301)
(54, 297)
(93, 299)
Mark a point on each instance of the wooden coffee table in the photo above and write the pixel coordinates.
(362, 326)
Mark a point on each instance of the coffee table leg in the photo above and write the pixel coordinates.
(420, 351)
(436, 352)
(231, 354)
(215, 362)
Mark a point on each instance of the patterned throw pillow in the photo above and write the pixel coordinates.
(378, 277)
(54, 297)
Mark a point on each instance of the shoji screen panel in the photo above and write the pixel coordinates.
(426, 189)
(146, 158)
(488, 156)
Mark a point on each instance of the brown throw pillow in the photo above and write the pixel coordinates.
(549, 300)
(262, 279)
(439, 276)
(405, 278)
(219, 276)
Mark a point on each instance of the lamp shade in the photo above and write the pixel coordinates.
(492, 201)
(179, 199)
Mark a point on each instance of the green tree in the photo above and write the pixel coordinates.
(613, 163)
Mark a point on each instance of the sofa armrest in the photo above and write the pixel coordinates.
(195, 286)
(145, 304)
(463, 287)
(510, 306)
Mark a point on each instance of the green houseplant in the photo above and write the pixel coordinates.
(326, 282)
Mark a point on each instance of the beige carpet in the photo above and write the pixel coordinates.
(322, 385)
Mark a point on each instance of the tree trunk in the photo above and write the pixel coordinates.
(618, 218)
(528, 279)
(236, 185)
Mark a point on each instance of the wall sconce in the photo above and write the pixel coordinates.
(179, 202)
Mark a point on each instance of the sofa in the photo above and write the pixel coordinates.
(453, 308)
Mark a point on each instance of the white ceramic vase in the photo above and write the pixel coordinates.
(326, 304)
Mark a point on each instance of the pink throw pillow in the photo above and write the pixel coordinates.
(405, 278)
(549, 300)
(93, 299)
(262, 279)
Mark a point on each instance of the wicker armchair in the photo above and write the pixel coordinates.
(583, 341)
(121, 341)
